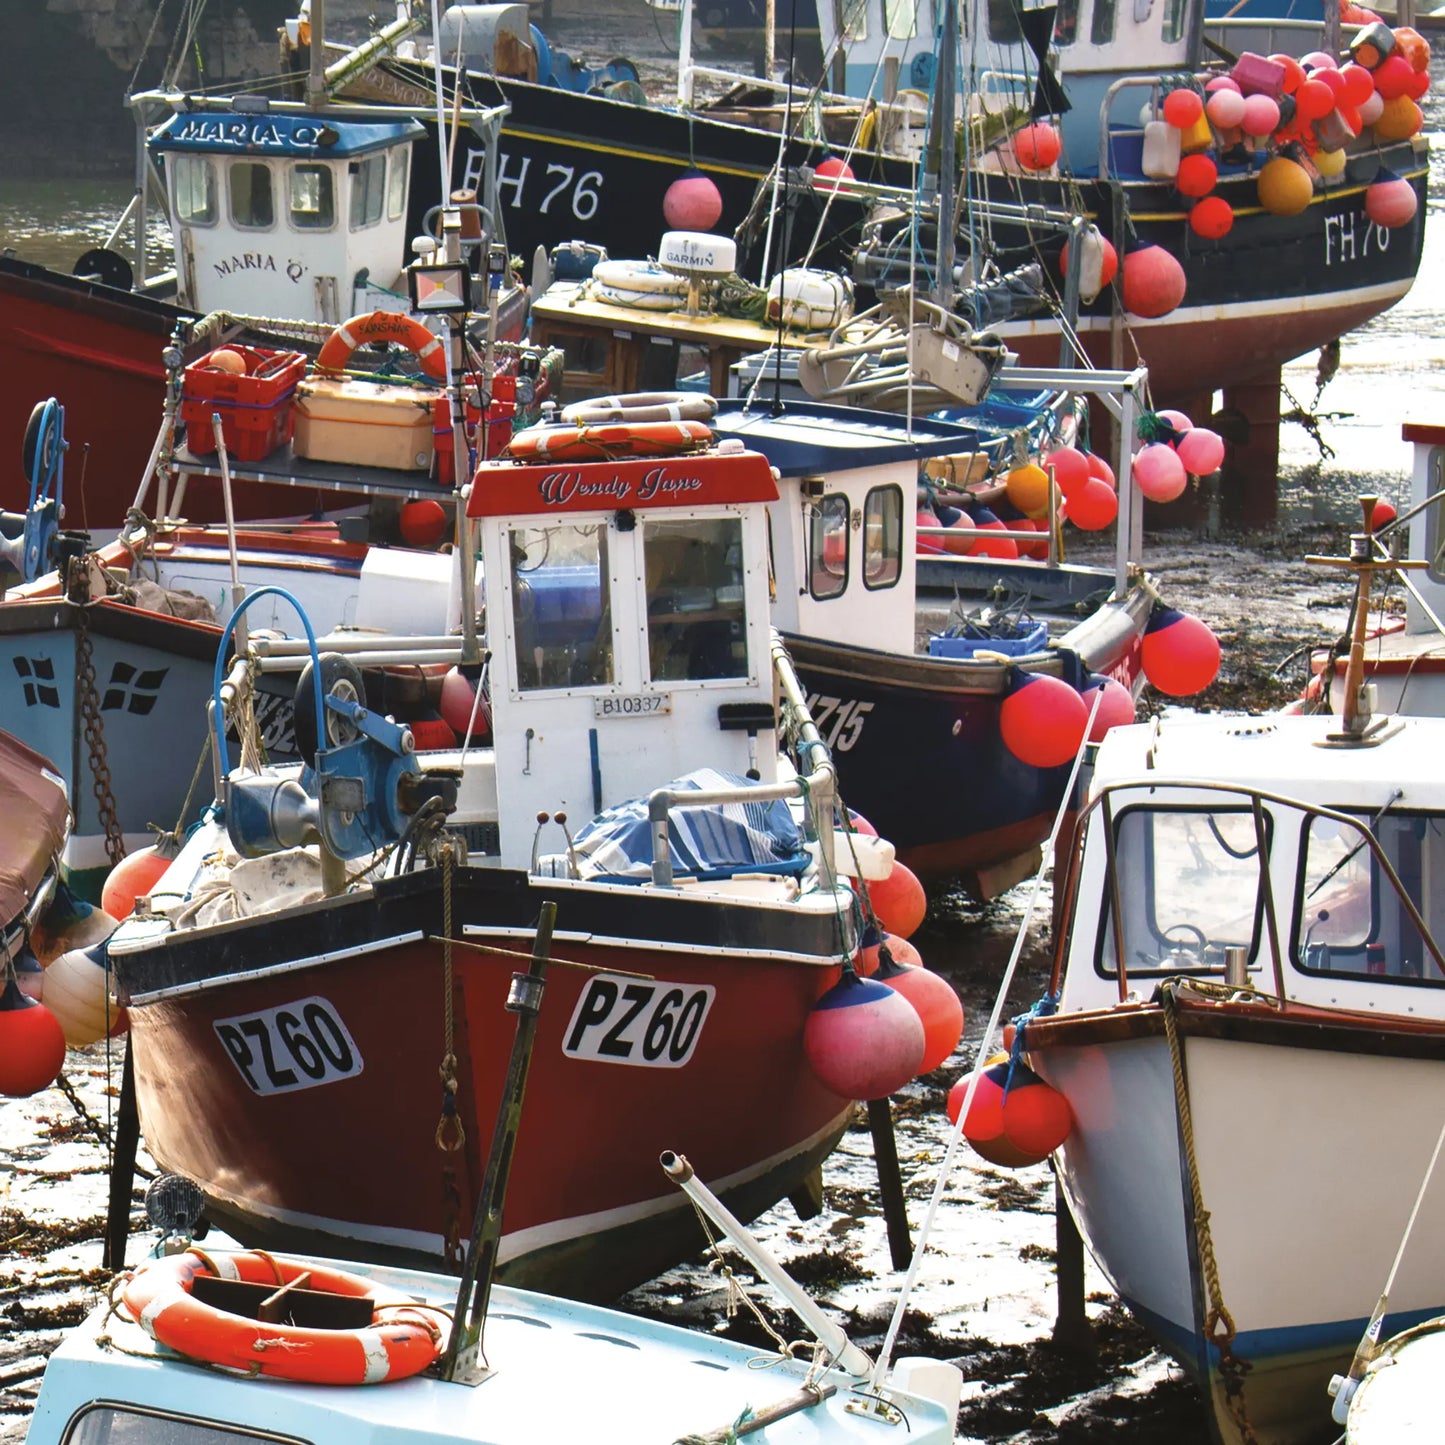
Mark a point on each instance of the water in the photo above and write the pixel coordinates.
(986, 1287)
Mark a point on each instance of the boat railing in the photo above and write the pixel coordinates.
(1106, 107)
(816, 782)
(1260, 802)
(1265, 34)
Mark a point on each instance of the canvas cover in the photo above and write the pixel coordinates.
(34, 803)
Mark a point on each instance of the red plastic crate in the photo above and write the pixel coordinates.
(255, 408)
(499, 423)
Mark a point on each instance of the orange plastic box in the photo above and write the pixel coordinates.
(255, 408)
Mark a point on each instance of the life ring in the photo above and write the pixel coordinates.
(578, 443)
(643, 284)
(642, 406)
(159, 1299)
(384, 326)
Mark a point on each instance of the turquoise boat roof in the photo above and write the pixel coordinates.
(302, 136)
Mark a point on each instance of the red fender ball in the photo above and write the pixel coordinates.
(1116, 706)
(1212, 218)
(1180, 654)
(133, 877)
(692, 203)
(1153, 281)
(1094, 507)
(1042, 720)
(899, 902)
(424, 523)
(32, 1044)
(863, 1039)
(939, 1009)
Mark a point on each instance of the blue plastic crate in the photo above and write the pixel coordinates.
(1034, 640)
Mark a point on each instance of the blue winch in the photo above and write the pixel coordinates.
(28, 539)
(360, 784)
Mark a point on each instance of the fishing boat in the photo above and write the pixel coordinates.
(1247, 972)
(1402, 654)
(912, 713)
(632, 681)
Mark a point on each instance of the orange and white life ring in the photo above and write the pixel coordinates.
(401, 1340)
(393, 326)
(576, 443)
(642, 406)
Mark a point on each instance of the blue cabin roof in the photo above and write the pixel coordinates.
(301, 136)
(806, 437)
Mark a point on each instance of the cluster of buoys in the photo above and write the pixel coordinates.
(1174, 450)
(1043, 721)
(1015, 1119)
(889, 1018)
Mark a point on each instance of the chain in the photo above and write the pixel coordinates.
(95, 740)
(451, 1134)
(1219, 1323)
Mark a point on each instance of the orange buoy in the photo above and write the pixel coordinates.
(1036, 147)
(1012, 1122)
(1284, 187)
(862, 1039)
(32, 1045)
(898, 900)
(424, 522)
(1042, 719)
(134, 877)
(939, 1007)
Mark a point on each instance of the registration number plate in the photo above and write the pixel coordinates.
(633, 704)
(301, 1045)
(648, 1023)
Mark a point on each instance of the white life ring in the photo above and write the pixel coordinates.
(639, 283)
(810, 300)
(642, 406)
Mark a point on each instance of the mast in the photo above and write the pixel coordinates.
(941, 174)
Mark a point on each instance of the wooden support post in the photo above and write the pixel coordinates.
(1071, 1326)
(1250, 424)
(122, 1166)
(890, 1183)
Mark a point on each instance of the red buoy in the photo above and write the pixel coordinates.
(1099, 468)
(1383, 514)
(1042, 720)
(1198, 173)
(692, 202)
(1153, 280)
(1116, 707)
(1014, 1129)
(1180, 654)
(1037, 147)
(899, 902)
(1070, 468)
(939, 1009)
(1182, 108)
(900, 950)
(1094, 506)
(863, 1039)
(424, 523)
(1212, 218)
(1201, 451)
(459, 707)
(32, 1045)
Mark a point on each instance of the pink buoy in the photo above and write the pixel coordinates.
(1261, 115)
(898, 901)
(1390, 201)
(1042, 720)
(1225, 109)
(692, 203)
(939, 1008)
(1070, 468)
(1036, 147)
(1222, 82)
(1372, 107)
(1116, 705)
(863, 1039)
(1094, 506)
(1176, 419)
(1159, 472)
(32, 1044)
(1201, 451)
(1180, 654)
(1153, 280)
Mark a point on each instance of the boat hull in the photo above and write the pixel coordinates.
(350, 1161)
(919, 752)
(1307, 1156)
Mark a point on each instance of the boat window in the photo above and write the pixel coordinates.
(1101, 27)
(1003, 22)
(368, 180)
(696, 622)
(313, 207)
(251, 205)
(1189, 887)
(1350, 920)
(1066, 22)
(853, 19)
(195, 189)
(882, 537)
(1174, 20)
(561, 617)
(396, 191)
(828, 547)
(131, 1425)
(900, 19)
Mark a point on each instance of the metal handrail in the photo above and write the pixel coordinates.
(818, 788)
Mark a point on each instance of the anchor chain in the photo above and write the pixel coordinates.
(95, 740)
(1218, 1323)
(451, 1135)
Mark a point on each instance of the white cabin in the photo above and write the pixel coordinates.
(287, 216)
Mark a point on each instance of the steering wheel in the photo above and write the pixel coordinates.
(1197, 944)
